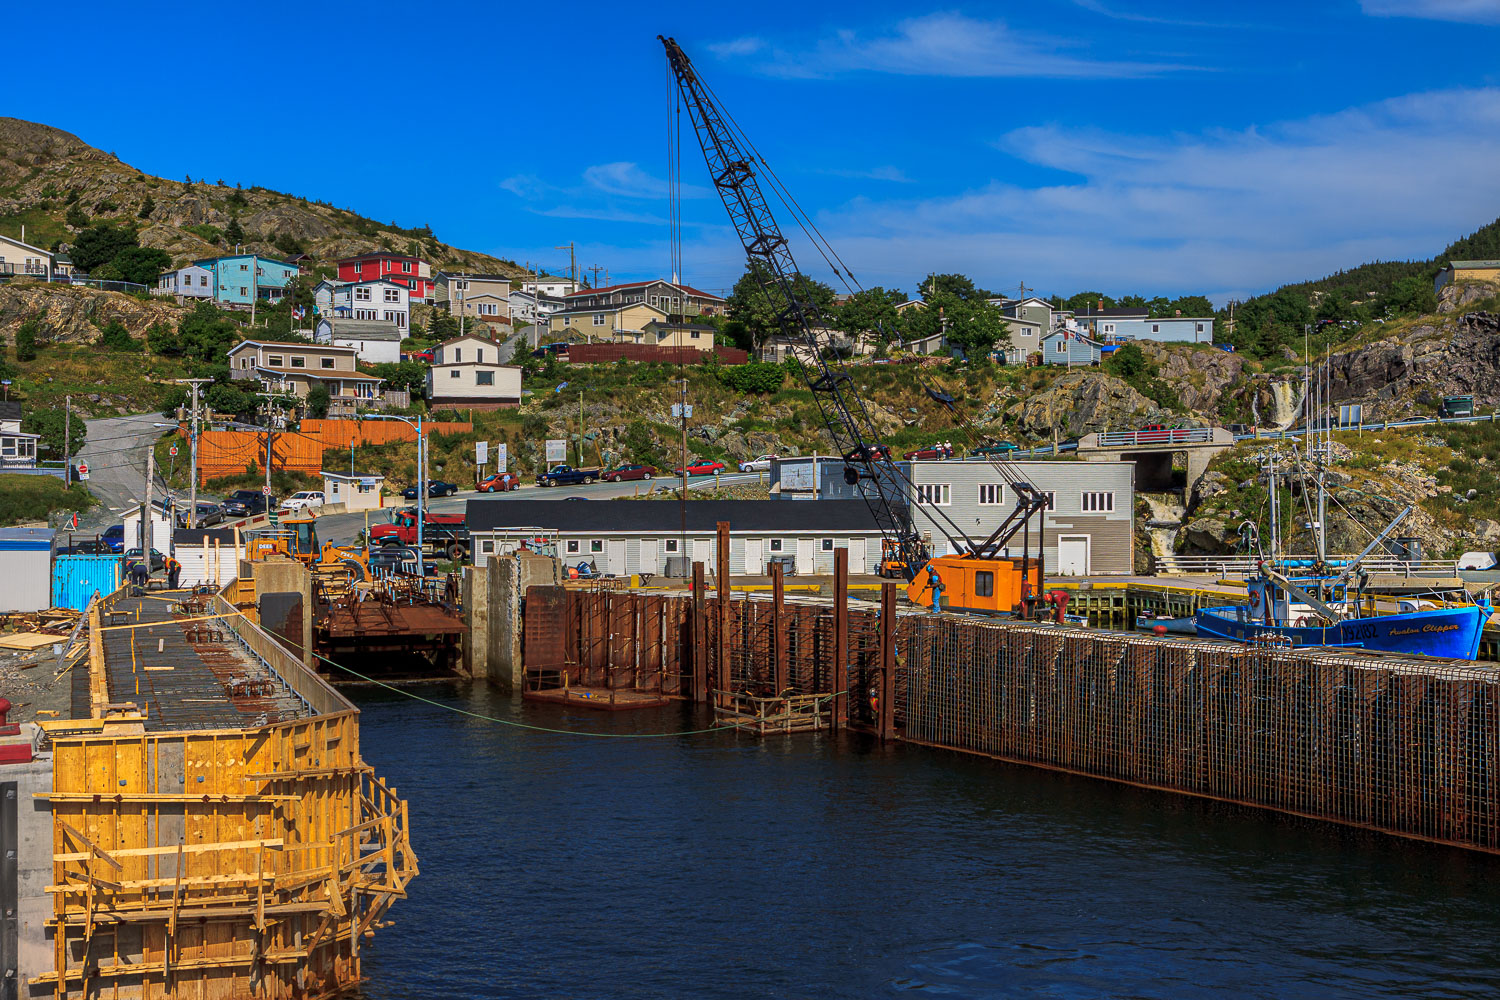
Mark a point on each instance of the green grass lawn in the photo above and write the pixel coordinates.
(33, 498)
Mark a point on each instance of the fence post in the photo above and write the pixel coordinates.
(840, 685)
(700, 639)
(721, 574)
(778, 629)
(885, 722)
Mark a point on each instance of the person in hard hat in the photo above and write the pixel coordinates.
(140, 575)
(174, 572)
(936, 583)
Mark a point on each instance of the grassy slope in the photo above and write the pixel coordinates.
(33, 498)
(138, 380)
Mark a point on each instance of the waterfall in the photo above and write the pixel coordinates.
(1286, 403)
(1162, 526)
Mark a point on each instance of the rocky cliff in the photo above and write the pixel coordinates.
(75, 314)
(46, 172)
(1438, 357)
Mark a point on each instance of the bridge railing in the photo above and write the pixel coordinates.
(1175, 435)
(1231, 565)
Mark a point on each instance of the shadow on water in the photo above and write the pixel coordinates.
(719, 865)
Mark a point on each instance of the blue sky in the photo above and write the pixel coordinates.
(1158, 147)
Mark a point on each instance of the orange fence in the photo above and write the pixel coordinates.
(231, 453)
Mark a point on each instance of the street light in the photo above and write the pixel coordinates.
(421, 483)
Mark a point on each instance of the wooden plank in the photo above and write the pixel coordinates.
(136, 852)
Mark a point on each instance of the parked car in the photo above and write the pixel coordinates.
(624, 472)
(932, 451)
(244, 503)
(426, 356)
(114, 538)
(158, 561)
(435, 488)
(87, 547)
(500, 482)
(208, 513)
(546, 349)
(997, 448)
(761, 464)
(704, 467)
(303, 500)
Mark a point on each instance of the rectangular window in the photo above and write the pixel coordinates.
(202, 281)
(479, 355)
(1098, 503)
(362, 294)
(392, 295)
(695, 334)
(990, 493)
(484, 378)
(984, 584)
(598, 319)
(326, 362)
(299, 362)
(1051, 500)
(1062, 345)
(453, 373)
(572, 547)
(935, 494)
(1156, 328)
(275, 361)
(669, 545)
(828, 545)
(244, 267)
(595, 545)
(244, 290)
(406, 266)
(775, 544)
(1200, 327)
(486, 547)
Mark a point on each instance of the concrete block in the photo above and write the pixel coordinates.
(476, 600)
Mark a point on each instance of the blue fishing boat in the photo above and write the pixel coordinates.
(1274, 615)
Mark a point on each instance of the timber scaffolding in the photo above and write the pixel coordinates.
(215, 832)
(1404, 746)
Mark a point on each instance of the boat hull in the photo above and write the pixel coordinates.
(1450, 633)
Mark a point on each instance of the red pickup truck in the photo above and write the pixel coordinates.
(445, 532)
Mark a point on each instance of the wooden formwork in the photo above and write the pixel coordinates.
(223, 863)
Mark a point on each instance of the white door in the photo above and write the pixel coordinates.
(614, 556)
(703, 551)
(755, 562)
(806, 555)
(650, 555)
(857, 556)
(1073, 555)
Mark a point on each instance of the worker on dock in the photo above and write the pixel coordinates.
(174, 573)
(936, 583)
(140, 575)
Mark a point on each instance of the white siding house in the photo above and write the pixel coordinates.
(466, 371)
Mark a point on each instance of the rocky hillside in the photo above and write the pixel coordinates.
(55, 184)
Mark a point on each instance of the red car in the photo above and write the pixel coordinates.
(420, 356)
(624, 472)
(930, 452)
(500, 482)
(704, 467)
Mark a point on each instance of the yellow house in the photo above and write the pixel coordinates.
(608, 322)
(1468, 270)
(661, 333)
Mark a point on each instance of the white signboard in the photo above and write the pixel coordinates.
(798, 476)
(677, 409)
(481, 452)
(557, 450)
(502, 458)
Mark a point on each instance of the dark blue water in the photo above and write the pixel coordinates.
(726, 866)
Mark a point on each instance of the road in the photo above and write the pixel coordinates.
(115, 453)
(520, 340)
(341, 528)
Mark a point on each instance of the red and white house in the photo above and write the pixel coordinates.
(413, 272)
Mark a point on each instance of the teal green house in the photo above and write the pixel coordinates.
(243, 277)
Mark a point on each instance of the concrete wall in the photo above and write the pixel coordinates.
(33, 861)
(282, 577)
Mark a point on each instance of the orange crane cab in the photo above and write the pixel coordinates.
(297, 538)
(971, 583)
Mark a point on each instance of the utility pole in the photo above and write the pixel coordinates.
(595, 271)
(682, 492)
(67, 436)
(572, 263)
(194, 383)
(146, 514)
(254, 285)
(580, 428)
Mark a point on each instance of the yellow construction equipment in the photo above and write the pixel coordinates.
(297, 538)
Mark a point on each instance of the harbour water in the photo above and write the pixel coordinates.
(721, 865)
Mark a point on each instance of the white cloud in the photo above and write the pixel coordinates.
(893, 174)
(953, 45)
(737, 48)
(628, 180)
(1470, 11)
(1221, 212)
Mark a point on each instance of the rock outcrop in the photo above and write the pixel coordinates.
(74, 314)
(1461, 355)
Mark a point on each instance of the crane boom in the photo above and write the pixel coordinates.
(771, 262)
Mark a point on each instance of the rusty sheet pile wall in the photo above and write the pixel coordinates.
(1403, 746)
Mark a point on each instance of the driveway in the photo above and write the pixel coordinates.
(520, 341)
(116, 456)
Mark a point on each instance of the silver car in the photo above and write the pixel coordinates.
(208, 513)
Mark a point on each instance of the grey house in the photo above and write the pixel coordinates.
(624, 537)
(1066, 347)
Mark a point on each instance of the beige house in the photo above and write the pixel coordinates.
(1467, 270)
(357, 491)
(466, 372)
(477, 296)
(24, 259)
(607, 322)
(296, 368)
(662, 333)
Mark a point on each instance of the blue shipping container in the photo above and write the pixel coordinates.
(76, 577)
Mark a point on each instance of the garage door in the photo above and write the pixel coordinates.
(1073, 555)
